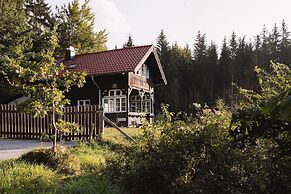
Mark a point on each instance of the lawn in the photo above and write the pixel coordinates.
(89, 158)
(113, 135)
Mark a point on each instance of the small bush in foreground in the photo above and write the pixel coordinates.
(63, 162)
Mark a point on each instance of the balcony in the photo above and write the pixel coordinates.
(138, 81)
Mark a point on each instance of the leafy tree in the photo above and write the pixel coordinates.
(255, 119)
(76, 28)
(14, 35)
(36, 75)
(129, 42)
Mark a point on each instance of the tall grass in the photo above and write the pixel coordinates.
(19, 177)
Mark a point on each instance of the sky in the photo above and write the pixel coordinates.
(182, 19)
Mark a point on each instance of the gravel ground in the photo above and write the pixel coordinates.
(11, 148)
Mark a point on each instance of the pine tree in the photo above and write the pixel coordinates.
(233, 54)
(40, 20)
(163, 49)
(129, 42)
(199, 68)
(285, 45)
(76, 28)
(265, 49)
(225, 70)
(212, 62)
(275, 43)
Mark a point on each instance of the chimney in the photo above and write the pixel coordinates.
(70, 53)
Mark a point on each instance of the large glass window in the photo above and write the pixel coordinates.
(138, 105)
(114, 102)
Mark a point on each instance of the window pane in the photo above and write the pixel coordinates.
(118, 104)
(118, 92)
(123, 104)
(111, 105)
(105, 105)
(111, 93)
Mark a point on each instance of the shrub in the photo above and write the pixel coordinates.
(60, 161)
(178, 156)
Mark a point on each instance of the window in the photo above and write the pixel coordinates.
(114, 102)
(72, 66)
(135, 104)
(144, 71)
(83, 102)
(146, 106)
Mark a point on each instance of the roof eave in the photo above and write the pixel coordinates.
(152, 50)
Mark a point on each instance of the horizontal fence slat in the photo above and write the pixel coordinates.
(15, 124)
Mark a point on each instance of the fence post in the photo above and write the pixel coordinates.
(101, 122)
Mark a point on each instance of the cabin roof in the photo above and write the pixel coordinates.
(113, 61)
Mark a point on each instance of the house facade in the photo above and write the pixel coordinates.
(122, 81)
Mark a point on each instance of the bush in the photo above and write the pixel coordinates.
(183, 157)
(60, 161)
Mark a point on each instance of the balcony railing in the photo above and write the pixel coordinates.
(138, 81)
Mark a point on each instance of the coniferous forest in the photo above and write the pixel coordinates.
(205, 72)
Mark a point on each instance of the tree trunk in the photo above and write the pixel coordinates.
(56, 130)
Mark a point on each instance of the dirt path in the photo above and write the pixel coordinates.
(11, 148)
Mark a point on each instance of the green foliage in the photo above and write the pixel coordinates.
(260, 114)
(262, 119)
(40, 20)
(66, 163)
(76, 28)
(14, 35)
(178, 156)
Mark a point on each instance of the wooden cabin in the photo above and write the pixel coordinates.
(122, 81)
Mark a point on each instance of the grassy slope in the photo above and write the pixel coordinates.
(19, 177)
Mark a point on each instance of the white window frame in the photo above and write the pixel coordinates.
(115, 102)
(146, 106)
(84, 102)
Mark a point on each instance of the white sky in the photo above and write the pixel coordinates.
(181, 19)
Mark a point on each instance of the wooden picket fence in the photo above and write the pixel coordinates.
(14, 124)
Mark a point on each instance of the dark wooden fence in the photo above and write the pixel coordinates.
(14, 124)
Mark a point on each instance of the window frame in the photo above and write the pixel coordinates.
(115, 103)
(85, 102)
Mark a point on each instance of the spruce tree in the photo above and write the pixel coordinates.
(225, 69)
(76, 28)
(163, 50)
(129, 42)
(275, 43)
(285, 45)
(40, 20)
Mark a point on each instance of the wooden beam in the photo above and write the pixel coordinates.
(118, 128)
